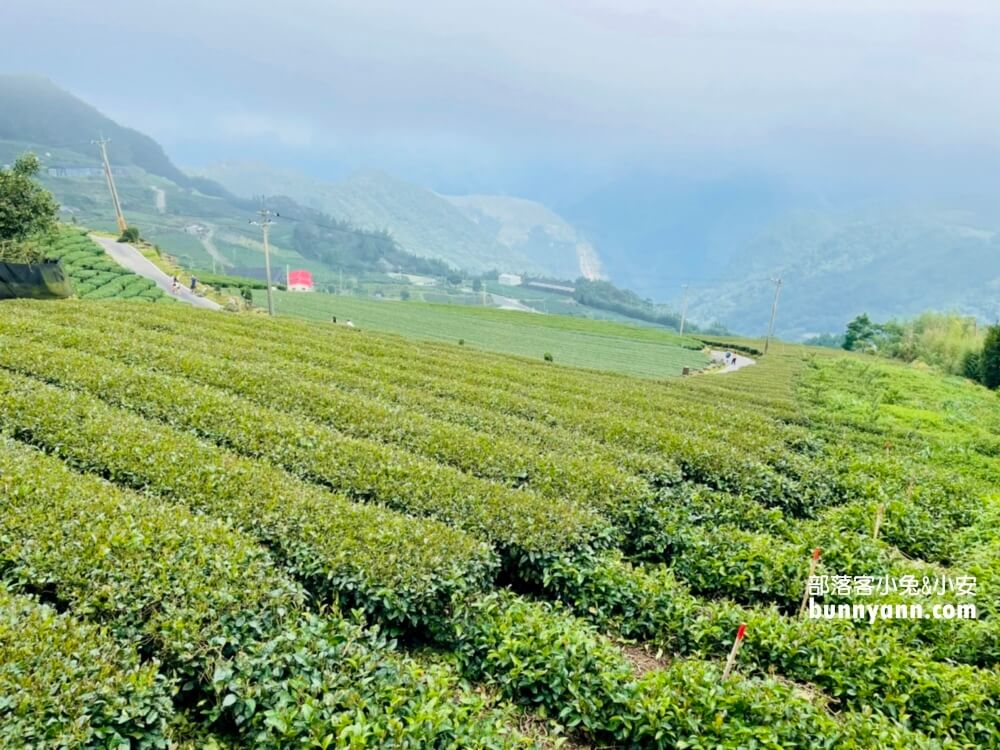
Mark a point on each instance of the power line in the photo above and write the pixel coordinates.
(684, 309)
(774, 309)
(265, 225)
(119, 216)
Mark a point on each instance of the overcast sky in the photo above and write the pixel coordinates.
(472, 92)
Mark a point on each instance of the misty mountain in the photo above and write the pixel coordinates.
(842, 252)
(477, 233)
(36, 111)
(836, 265)
(193, 218)
(535, 230)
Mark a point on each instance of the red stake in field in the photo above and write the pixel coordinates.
(737, 645)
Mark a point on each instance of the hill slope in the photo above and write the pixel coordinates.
(600, 345)
(218, 478)
(837, 266)
(856, 250)
(535, 230)
(192, 218)
(36, 111)
(475, 233)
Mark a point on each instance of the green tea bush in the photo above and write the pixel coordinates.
(64, 683)
(623, 498)
(85, 260)
(536, 654)
(227, 625)
(153, 572)
(525, 527)
(403, 571)
(370, 698)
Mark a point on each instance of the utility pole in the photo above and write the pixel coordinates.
(774, 309)
(265, 225)
(684, 308)
(119, 216)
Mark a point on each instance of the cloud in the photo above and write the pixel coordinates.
(257, 126)
(823, 83)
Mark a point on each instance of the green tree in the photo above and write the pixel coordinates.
(405, 294)
(131, 235)
(972, 366)
(990, 358)
(26, 208)
(860, 335)
(477, 285)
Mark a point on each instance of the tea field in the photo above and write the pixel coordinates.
(644, 351)
(220, 530)
(93, 273)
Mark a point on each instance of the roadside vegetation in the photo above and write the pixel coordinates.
(952, 343)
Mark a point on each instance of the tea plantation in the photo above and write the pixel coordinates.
(220, 530)
(93, 273)
(644, 351)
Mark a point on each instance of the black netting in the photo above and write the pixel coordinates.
(34, 281)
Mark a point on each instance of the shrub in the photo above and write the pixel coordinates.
(222, 618)
(130, 235)
(68, 684)
(990, 358)
(401, 570)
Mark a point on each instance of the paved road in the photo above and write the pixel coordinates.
(737, 362)
(509, 303)
(133, 260)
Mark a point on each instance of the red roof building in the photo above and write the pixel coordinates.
(300, 281)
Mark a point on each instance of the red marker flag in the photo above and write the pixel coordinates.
(737, 645)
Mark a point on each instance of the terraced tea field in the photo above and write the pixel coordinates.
(94, 274)
(219, 530)
(602, 345)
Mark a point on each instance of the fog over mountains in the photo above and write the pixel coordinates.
(848, 147)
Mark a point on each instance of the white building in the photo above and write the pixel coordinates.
(509, 279)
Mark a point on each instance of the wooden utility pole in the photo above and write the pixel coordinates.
(684, 308)
(265, 225)
(774, 309)
(119, 216)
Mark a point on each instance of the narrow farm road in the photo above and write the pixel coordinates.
(736, 362)
(127, 256)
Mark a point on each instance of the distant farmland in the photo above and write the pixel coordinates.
(634, 350)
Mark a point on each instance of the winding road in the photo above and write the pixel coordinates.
(128, 257)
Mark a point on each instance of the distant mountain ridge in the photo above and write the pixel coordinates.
(476, 233)
(193, 218)
(840, 253)
(535, 229)
(835, 266)
(33, 109)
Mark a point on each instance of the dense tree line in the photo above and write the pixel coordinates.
(606, 296)
(341, 245)
(953, 343)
